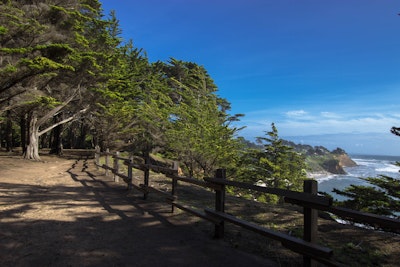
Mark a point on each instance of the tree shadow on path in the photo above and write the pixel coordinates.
(91, 221)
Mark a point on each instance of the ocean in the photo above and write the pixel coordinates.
(367, 166)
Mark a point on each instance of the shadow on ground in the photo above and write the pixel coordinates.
(87, 220)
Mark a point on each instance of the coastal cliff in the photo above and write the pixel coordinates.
(321, 161)
(336, 163)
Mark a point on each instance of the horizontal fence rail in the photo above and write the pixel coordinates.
(309, 200)
(299, 196)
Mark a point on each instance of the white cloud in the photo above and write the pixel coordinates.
(329, 115)
(301, 122)
(296, 113)
(359, 143)
(367, 133)
(322, 125)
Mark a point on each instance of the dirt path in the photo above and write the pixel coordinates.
(64, 213)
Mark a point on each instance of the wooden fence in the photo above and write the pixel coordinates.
(308, 199)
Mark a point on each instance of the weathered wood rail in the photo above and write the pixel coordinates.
(308, 199)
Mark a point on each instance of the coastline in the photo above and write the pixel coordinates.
(318, 175)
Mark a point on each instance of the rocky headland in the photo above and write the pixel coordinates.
(321, 161)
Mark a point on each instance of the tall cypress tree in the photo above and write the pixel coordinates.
(55, 56)
(275, 165)
(199, 134)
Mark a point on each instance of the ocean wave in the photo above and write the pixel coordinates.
(366, 167)
(326, 178)
(388, 168)
(321, 177)
(365, 162)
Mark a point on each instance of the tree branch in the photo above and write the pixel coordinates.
(395, 131)
(55, 110)
(62, 122)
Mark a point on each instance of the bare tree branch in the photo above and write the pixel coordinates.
(55, 110)
(62, 122)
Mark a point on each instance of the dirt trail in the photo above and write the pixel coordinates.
(64, 213)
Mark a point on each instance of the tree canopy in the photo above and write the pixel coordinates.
(65, 74)
(53, 54)
(273, 165)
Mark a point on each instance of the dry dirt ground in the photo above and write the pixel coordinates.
(62, 213)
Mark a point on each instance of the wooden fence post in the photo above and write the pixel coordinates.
(97, 156)
(174, 183)
(116, 167)
(146, 176)
(310, 221)
(220, 203)
(107, 161)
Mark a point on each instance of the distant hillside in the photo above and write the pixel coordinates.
(320, 160)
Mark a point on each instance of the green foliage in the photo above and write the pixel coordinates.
(276, 165)
(381, 197)
(3, 30)
(134, 105)
(75, 55)
(198, 134)
(268, 198)
(41, 44)
(8, 69)
(44, 63)
(54, 54)
(44, 101)
(320, 159)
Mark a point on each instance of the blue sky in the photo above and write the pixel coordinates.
(325, 72)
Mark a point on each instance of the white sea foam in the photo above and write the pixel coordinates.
(319, 176)
(365, 162)
(354, 224)
(388, 168)
(366, 167)
(325, 177)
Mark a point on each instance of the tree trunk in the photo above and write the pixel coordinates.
(82, 136)
(22, 126)
(44, 141)
(9, 135)
(32, 149)
(56, 145)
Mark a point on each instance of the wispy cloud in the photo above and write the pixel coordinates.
(330, 115)
(296, 113)
(304, 122)
(354, 132)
